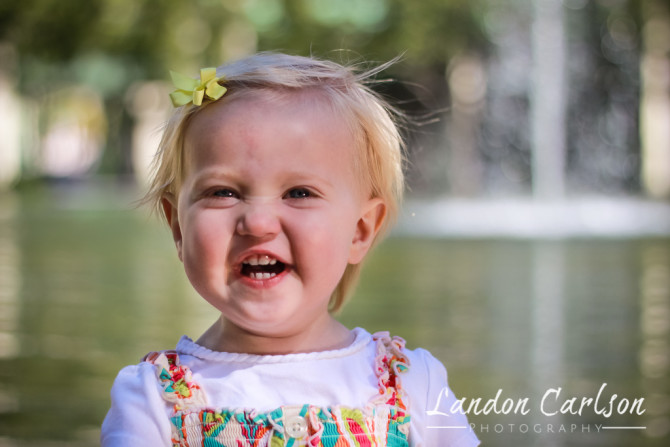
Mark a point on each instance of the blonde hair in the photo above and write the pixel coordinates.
(373, 121)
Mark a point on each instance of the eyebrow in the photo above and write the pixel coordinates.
(217, 173)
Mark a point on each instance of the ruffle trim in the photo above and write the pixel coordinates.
(186, 346)
(176, 380)
(390, 363)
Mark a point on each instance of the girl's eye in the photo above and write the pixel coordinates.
(224, 193)
(298, 193)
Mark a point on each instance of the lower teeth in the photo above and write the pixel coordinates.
(260, 275)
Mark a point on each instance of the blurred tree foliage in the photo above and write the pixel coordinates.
(58, 40)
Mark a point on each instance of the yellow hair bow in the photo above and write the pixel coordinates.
(194, 90)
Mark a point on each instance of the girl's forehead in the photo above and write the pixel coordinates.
(250, 119)
(264, 108)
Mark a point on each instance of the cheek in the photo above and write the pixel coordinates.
(325, 238)
(205, 241)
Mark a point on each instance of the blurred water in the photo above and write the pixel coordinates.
(88, 285)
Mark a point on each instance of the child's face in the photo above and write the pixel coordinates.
(270, 212)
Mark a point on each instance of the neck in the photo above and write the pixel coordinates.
(223, 336)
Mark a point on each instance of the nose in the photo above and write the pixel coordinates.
(258, 220)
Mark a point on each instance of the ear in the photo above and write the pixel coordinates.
(169, 203)
(367, 227)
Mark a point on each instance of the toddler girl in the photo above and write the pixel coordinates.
(276, 175)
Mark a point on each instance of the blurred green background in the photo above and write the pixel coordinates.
(534, 250)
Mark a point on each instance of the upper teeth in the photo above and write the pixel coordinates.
(260, 260)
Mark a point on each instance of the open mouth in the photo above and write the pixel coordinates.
(262, 267)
